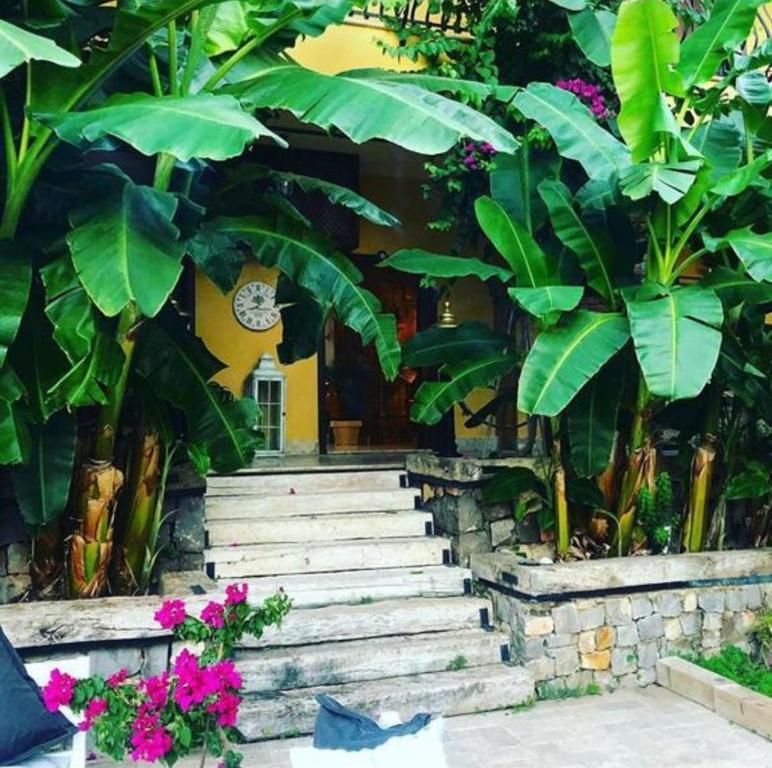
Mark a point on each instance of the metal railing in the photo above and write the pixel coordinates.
(451, 16)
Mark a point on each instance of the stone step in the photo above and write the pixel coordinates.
(303, 483)
(272, 507)
(411, 616)
(275, 559)
(312, 528)
(371, 659)
(310, 590)
(479, 689)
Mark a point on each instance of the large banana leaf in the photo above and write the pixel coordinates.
(125, 247)
(42, 485)
(573, 128)
(365, 108)
(671, 181)
(217, 255)
(547, 300)
(593, 31)
(644, 52)
(563, 359)
(335, 193)
(720, 141)
(178, 368)
(203, 125)
(18, 46)
(468, 341)
(711, 43)
(435, 398)
(309, 260)
(591, 419)
(69, 308)
(514, 242)
(514, 183)
(739, 179)
(677, 340)
(303, 320)
(15, 281)
(592, 244)
(420, 262)
(14, 433)
(753, 250)
(735, 287)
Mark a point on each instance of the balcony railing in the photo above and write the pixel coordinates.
(440, 14)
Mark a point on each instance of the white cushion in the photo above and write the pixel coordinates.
(419, 750)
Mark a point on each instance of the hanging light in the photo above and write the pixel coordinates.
(447, 318)
(268, 387)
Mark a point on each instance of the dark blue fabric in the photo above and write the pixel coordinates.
(340, 728)
(26, 726)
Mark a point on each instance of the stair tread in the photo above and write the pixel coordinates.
(477, 689)
(303, 483)
(370, 659)
(383, 618)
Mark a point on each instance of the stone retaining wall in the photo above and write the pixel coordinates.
(616, 639)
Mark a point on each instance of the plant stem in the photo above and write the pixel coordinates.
(685, 264)
(702, 212)
(155, 74)
(24, 141)
(11, 159)
(171, 30)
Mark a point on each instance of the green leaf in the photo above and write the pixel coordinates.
(42, 486)
(754, 88)
(69, 308)
(302, 322)
(365, 108)
(178, 368)
(515, 244)
(677, 340)
(438, 345)
(15, 279)
(509, 483)
(335, 193)
(671, 181)
(217, 255)
(419, 262)
(591, 420)
(719, 140)
(435, 398)
(753, 250)
(125, 248)
(563, 359)
(735, 287)
(571, 5)
(14, 433)
(574, 129)
(739, 180)
(591, 244)
(547, 300)
(229, 28)
(643, 55)
(203, 125)
(593, 31)
(754, 482)
(311, 262)
(17, 46)
(729, 24)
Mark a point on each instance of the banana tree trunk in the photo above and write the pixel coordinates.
(701, 480)
(560, 497)
(133, 548)
(641, 472)
(100, 482)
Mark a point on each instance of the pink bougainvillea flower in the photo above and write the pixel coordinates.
(149, 739)
(235, 594)
(118, 678)
(157, 690)
(94, 709)
(171, 614)
(589, 93)
(226, 708)
(59, 690)
(214, 615)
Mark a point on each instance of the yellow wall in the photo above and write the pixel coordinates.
(240, 349)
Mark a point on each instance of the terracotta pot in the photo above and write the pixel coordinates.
(345, 432)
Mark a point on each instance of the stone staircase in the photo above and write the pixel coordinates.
(381, 620)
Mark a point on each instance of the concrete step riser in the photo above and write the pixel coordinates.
(388, 618)
(271, 507)
(373, 659)
(372, 525)
(312, 482)
(278, 559)
(449, 693)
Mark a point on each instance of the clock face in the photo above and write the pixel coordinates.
(254, 306)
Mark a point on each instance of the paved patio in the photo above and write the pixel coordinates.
(647, 728)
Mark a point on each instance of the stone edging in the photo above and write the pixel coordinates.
(731, 701)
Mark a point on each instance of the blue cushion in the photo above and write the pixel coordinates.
(26, 726)
(340, 728)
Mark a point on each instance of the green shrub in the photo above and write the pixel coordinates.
(738, 666)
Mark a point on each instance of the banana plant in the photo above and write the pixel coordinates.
(666, 215)
(162, 92)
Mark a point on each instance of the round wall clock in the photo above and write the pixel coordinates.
(254, 306)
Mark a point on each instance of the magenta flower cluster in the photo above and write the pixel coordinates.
(475, 155)
(59, 691)
(590, 94)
